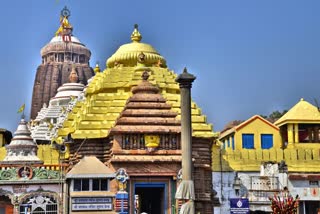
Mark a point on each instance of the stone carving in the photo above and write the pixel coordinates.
(8, 174)
(25, 172)
(122, 177)
(28, 173)
(269, 169)
(40, 173)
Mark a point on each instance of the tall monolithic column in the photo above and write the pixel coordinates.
(186, 188)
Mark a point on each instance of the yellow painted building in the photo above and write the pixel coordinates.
(291, 159)
(262, 133)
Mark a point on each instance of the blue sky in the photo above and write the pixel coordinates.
(249, 56)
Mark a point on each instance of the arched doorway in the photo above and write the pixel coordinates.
(6, 205)
(39, 205)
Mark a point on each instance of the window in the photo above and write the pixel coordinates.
(228, 142)
(39, 204)
(81, 185)
(99, 184)
(248, 141)
(314, 183)
(90, 184)
(266, 141)
(233, 146)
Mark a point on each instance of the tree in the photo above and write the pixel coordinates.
(277, 114)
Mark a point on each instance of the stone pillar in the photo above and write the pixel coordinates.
(65, 198)
(185, 82)
(290, 135)
(296, 133)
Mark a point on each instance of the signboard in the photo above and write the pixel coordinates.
(91, 203)
(91, 200)
(91, 206)
(239, 206)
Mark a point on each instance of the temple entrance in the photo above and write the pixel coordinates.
(5, 205)
(150, 198)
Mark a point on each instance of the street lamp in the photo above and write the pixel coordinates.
(237, 184)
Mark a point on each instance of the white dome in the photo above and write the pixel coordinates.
(59, 39)
(69, 89)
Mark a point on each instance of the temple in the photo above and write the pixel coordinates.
(105, 143)
(130, 120)
(58, 56)
(115, 141)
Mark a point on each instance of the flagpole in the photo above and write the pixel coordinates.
(23, 116)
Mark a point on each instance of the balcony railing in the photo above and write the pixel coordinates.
(263, 187)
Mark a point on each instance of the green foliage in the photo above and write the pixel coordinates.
(275, 115)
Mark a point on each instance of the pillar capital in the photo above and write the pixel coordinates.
(185, 79)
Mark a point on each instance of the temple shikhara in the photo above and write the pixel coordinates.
(58, 56)
(106, 141)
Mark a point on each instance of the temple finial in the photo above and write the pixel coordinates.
(97, 68)
(65, 12)
(136, 36)
(65, 28)
(185, 70)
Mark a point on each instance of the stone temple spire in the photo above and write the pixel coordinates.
(62, 54)
(22, 148)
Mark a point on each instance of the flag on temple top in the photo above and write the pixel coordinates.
(21, 109)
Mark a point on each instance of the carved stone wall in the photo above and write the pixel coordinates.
(202, 174)
(100, 148)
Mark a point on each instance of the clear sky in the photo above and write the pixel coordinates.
(249, 56)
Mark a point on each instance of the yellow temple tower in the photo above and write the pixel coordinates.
(133, 123)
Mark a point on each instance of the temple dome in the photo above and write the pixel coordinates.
(69, 89)
(22, 148)
(130, 54)
(64, 40)
(59, 39)
(57, 45)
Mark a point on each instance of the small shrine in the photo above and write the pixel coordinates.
(22, 149)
